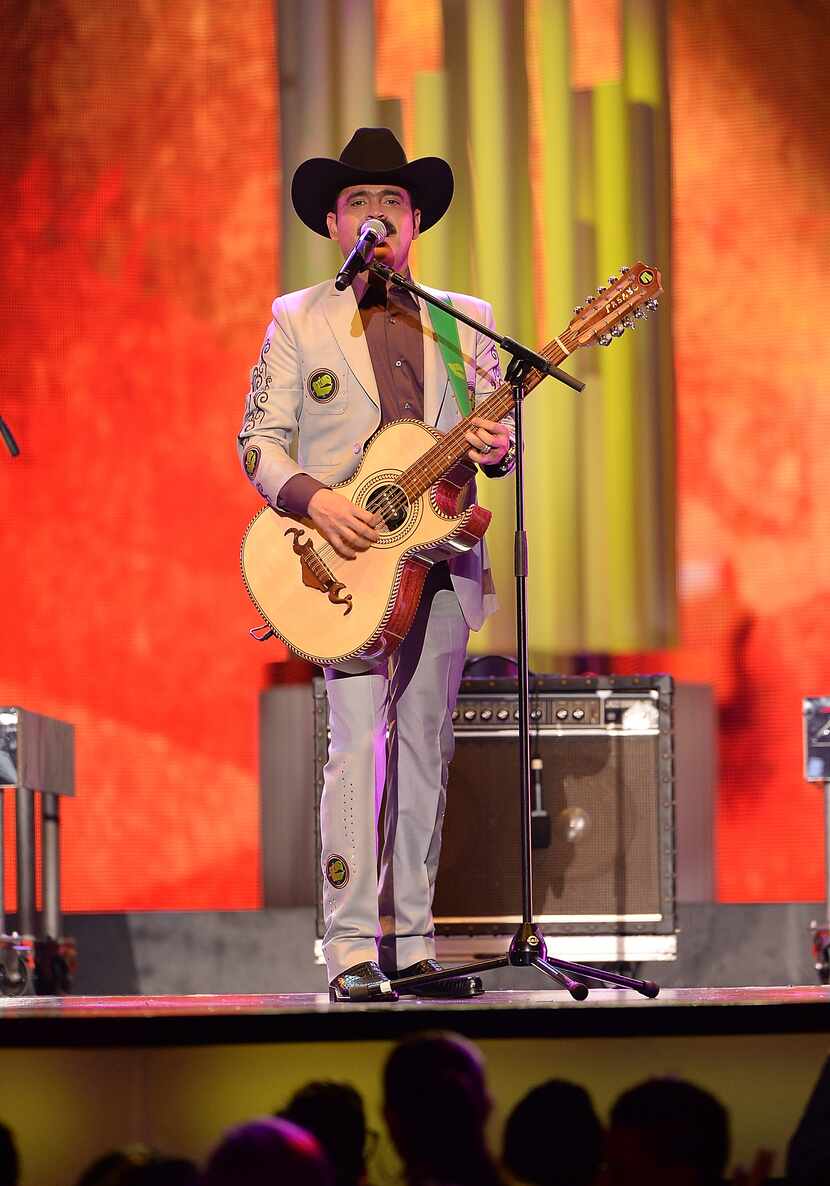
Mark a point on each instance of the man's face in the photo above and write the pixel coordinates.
(392, 205)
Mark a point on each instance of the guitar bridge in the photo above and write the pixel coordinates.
(316, 573)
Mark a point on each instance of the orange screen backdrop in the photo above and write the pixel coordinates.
(139, 253)
(138, 249)
(751, 225)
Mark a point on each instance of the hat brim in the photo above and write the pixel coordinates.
(317, 183)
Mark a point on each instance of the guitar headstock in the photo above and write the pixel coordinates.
(613, 309)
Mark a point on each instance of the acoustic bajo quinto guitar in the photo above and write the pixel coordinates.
(347, 613)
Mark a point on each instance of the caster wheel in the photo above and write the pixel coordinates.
(16, 982)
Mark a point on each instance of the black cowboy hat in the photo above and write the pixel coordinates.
(374, 156)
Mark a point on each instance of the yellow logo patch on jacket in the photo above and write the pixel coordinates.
(323, 386)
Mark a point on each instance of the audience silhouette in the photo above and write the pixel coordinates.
(667, 1132)
(138, 1165)
(436, 1106)
(553, 1137)
(268, 1152)
(808, 1153)
(334, 1114)
(9, 1161)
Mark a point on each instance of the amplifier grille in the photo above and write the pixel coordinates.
(603, 862)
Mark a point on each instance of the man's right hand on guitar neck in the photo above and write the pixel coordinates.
(348, 528)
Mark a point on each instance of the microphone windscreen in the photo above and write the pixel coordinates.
(376, 227)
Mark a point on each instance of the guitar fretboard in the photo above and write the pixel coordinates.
(438, 460)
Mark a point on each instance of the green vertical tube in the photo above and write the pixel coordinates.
(586, 363)
(643, 56)
(613, 224)
(491, 268)
(552, 515)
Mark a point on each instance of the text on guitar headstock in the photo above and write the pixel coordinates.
(615, 308)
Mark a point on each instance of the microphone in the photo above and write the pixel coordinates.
(540, 834)
(371, 234)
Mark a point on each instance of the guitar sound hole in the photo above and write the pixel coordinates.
(391, 504)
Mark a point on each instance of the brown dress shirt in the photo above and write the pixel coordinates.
(392, 325)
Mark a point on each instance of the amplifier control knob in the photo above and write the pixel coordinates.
(486, 714)
(536, 714)
(515, 714)
(469, 714)
(503, 714)
(579, 714)
(455, 714)
(562, 714)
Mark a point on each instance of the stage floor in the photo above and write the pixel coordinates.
(297, 1017)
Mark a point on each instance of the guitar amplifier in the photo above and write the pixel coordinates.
(602, 785)
(603, 802)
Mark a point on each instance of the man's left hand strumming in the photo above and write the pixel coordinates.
(490, 441)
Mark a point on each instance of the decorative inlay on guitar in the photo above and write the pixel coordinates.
(345, 613)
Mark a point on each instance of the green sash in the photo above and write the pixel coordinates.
(446, 335)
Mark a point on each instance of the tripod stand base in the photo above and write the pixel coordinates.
(529, 950)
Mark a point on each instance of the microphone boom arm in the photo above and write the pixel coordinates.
(522, 356)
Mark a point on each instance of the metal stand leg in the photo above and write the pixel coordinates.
(50, 865)
(25, 813)
(14, 973)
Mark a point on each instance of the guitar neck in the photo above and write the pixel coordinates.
(452, 447)
(604, 317)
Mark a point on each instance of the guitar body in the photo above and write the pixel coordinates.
(350, 613)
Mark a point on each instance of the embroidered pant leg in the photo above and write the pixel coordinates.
(352, 789)
(426, 673)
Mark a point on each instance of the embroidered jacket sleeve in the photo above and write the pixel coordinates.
(271, 420)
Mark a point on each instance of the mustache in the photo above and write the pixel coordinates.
(391, 229)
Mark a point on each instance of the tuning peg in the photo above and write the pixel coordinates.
(652, 303)
(629, 322)
(617, 331)
(624, 270)
(578, 308)
(612, 279)
(604, 340)
(588, 299)
(639, 312)
(602, 288)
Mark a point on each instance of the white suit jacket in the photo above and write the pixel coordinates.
(289, 414)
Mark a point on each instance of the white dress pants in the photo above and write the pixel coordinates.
(391, 744)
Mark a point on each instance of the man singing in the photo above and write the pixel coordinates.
(335, 367)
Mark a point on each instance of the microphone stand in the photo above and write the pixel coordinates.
(527, 947)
